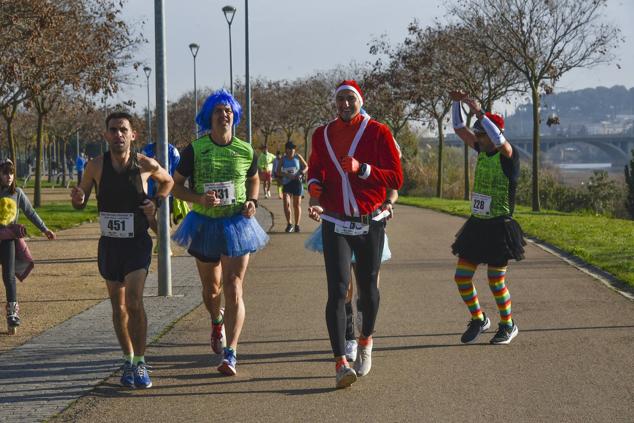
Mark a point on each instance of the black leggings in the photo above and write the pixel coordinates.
(338, 251)
(7, 259)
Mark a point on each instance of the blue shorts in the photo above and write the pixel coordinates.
(294, 187)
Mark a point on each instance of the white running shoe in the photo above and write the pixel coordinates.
(351, 350)
(345, 377)
(363, 363)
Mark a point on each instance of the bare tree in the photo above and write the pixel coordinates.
(264, 101)
(473, 70)
(425, 58)
(315, 108)
(542, 39)
(84, 46)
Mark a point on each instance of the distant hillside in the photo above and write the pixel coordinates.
(591, 111)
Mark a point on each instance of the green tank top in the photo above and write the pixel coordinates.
(224, 170)
(491, 188)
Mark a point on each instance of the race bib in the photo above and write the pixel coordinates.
(352, 228)
(225, 192)
(289, 170)
(480, 204)
(117, 225)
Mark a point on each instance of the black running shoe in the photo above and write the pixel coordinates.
(289, 228)
(474, 329)
(505, 334)
(296, 228)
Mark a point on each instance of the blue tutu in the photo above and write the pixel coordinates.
(315, 244)
(232, 236)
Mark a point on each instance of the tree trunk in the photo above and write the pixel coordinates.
(37, 195)
(467, 170)
(50, 153)
(306, 144)
(536, 106)
(441, 141)
(9, 114)
(63, 159)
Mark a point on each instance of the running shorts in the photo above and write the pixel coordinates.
(117, 257)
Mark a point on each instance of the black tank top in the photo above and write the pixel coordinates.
(123, 192)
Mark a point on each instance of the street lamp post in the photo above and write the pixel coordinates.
(193, 47)
(230, 12)
(164, 262)
(248, 79)
(148, 72)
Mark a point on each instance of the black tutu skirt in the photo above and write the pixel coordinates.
(491, 241)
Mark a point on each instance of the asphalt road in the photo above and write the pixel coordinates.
(572, 360)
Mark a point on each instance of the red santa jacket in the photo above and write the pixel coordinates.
(362, 193)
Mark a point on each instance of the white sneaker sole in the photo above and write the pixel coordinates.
(514, 333)
(347, 380)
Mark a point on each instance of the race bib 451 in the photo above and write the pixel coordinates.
(117, 225)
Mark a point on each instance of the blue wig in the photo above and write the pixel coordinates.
(203, 118)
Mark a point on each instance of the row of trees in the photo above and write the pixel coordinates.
(492, 49)
(57, 56)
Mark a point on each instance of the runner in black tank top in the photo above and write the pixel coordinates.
(125, 247)
(123, 193)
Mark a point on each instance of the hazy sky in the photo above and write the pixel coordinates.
(294, 38)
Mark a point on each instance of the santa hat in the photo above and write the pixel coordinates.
(497, 119)
(350, 84)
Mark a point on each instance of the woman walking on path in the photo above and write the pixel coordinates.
(14, 254)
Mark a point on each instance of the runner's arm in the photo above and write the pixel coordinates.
(302, 165)
(31, 214)
(79, 195)
(158, 174)
(387, 172)
(182, 192)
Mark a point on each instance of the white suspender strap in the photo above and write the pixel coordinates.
(348, 196)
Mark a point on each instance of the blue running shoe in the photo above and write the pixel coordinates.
(141, 376)
(229, 361)
(127, 377)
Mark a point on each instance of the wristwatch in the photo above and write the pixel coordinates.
(363, 168)
(158, 201)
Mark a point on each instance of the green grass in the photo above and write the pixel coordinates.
(60, 215)
(44, 183)
(604, 242)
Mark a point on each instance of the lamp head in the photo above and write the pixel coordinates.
(229, 12)
(194, 49)
(148, 71)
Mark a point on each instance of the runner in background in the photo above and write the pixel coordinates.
(292, 169)
(265, 169)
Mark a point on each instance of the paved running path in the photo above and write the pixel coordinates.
(43, 376)
(572, 360)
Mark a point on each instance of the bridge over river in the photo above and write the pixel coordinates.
(617, 148)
